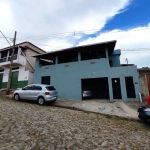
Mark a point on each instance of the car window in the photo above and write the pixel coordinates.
(29, 87)
(50, 88)
(38, 88)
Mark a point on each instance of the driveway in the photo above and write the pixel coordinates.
(27, 126)
(118, 108)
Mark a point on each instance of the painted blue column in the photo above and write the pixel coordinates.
(110, 89)
(136, 86)
(123, 88)
(79, 56)
(56, 60)
(106, 53)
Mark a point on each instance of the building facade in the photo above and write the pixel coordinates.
(95, 67)
(22, 67)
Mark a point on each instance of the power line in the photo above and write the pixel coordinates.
(5, 38)
(68, 34)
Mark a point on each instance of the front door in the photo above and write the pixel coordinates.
(116, 88)
(14, 80)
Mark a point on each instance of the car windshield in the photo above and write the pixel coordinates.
(50, 88)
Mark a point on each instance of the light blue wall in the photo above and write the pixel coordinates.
(67, 80)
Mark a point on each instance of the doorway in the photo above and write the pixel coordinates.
(95, 88)
(116, 88)
(46, 80)
(130, 87)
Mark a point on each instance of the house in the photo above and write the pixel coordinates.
(144, 82)
(22, 67)
(96, 67)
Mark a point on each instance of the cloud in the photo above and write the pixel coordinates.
(38, 17)
(133, 43)
(6, 17)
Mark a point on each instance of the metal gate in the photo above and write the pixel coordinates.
(14, 80)
(148, 82)
(1, 78)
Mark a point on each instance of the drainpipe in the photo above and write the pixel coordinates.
(140, 97)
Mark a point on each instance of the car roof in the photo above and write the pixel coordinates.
(43, 85)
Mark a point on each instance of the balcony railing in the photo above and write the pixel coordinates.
(5, 59)
(14, 57)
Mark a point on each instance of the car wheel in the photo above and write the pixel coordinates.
(41, 101)
(16, 97)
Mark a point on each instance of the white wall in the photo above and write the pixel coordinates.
(23, 75)
(30, 78)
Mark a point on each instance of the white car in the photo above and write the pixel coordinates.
(37, 92)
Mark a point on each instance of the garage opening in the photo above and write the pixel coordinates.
(95, 88)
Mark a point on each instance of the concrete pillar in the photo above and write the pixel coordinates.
(56, 60)
(110, 89)
(19, 51)
(79, 56)
(106, 51)
(123, 88)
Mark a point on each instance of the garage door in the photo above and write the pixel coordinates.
(1, 78)
(14, 80)
(98, 87)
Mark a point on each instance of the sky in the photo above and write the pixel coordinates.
(58, 24)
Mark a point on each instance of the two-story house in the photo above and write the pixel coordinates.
(95, 67)
(22, 67)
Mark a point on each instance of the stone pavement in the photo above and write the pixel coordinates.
(28, 126)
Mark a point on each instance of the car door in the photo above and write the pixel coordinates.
(27, 92)
(36, 91)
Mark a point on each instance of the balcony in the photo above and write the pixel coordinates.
(18, 60)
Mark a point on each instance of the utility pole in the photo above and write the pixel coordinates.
(10, 68)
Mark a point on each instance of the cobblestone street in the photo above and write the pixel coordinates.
(27, 126)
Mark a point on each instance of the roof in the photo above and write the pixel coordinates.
(144, 70)
(110, 45)
(20, 44)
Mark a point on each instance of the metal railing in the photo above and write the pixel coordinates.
(9, 58)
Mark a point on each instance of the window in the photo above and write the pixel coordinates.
(46, 62)
(15, 68)
(67, 57)
(37, 88)
(28, 87)
(1, 70)
(46, 80)
(91, 54)
(50, 88)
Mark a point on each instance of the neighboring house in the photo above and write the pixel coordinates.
(144, 82)
(22, 67)
(95, 67)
